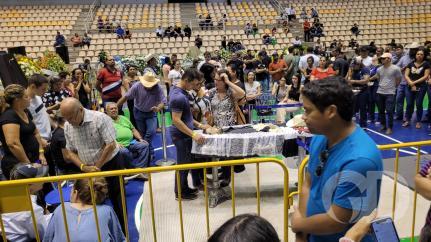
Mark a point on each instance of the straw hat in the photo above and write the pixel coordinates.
(149, 80)
(413, 45)
(149, 57)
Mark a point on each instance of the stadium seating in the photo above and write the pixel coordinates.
(36, 26)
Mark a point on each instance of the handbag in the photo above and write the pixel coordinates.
(239, 115)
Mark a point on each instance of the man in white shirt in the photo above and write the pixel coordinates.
(37, 86)
(19, 225)
(303, 59)
(160, 32)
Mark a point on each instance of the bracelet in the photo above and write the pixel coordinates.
(81, 166)
(200, 125)
(194, 135)
(41, 151)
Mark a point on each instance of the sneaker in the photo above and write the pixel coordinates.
(193, 191)
(382, 129)
(377, 123)
(186, 196)
(388, 131)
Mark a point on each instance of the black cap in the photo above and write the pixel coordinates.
(23, 171)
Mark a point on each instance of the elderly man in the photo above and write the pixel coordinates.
(149, 99)
(134, 147)
(91, 145)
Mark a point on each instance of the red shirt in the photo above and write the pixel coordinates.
(111, 83)
(322, 74)
(306, 25)
(274, 66)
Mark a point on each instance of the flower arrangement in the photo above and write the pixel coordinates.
(52, 62)
(27, 65)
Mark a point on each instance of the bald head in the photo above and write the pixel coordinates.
(72, 111)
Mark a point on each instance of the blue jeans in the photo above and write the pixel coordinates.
(417, 97)
(361, 100)
(386, 102)
(137, 154)
(401, 95)
(264, 84)
(147, 124)
(372, 101)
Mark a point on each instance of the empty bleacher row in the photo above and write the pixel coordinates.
(144, 43)
(239, 13)
(137, 16)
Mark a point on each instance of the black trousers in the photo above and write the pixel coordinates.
(116, 163)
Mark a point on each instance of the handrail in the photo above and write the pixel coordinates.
(90, 16)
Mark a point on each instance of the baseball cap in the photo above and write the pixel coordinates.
(23, 171)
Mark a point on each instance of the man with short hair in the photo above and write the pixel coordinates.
(276, 69)
(182, 128)
(149, 99)
(59, 40)
(303, 59)
(160, 32)
(342, 182)
(129, 138)
(109, 81)
(340, 65)
(389, 77)
(355, 30)
(91, 145)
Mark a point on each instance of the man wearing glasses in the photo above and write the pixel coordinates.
(91, 145)
(389, 77)
(342, 182)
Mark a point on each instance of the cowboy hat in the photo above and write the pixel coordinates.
(413, 45)
(149, 57)
(149, 80)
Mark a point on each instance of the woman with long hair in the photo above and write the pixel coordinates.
(82, 87)
(322, 71)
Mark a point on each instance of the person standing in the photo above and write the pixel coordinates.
(129, 80)
(109, 81)
(401, 90)
(389, 77)
(182, 128)
(149, 99)
(91, 146)
(343, 179)
(417, 74)
(276, 69)
(340, 65)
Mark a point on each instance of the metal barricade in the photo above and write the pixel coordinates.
(13, 193)
(397, 147)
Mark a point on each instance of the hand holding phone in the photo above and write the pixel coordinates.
(383, 230)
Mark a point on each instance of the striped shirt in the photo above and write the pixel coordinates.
(111, 83)
(89, 139)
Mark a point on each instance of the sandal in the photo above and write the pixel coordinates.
(406, 123)
(418, 125)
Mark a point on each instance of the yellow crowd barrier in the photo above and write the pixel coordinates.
(396, 147)
(15, 195)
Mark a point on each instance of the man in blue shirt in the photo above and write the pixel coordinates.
(182, 128)
(342, 182)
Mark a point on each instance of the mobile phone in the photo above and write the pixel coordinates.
(383, 230)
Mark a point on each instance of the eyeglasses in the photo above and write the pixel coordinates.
(323, 158)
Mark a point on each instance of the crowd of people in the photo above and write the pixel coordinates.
(51, 127)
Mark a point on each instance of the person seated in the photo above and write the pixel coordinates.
(18, 226)
(120, 32)
(76, 40)
(423, 187)
(59, 40)
(187, 31)
(245, 227)
(209, 22)
(230, 44)
(353, 44)
(333, 44)
(248, 29)
(198, 41)
(274, 31)
(86, 40)
(296, 42)
(58, 148)
(319, 31)
(108, 26)
(100, 24)
(266, 39)
(178, 31)
(136, 149)
(355, 30)
(220, 24)
(80, 215)
(160, 32)
(127, 35)
(303, 14)
(55, 95)
(314, 13)
(255, 29)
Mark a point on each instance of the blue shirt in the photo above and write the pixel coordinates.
(85, 230)
(351, 178)
(145, 99)
(179, 102)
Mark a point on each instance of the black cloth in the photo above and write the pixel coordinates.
(341, 65)
(262, 75)
(58, 142)
(83, 97)
(26, 136)
(188, 31)
(294, 93)
(417, 72)
(184, 156)
(116, 163)
(223, 44)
